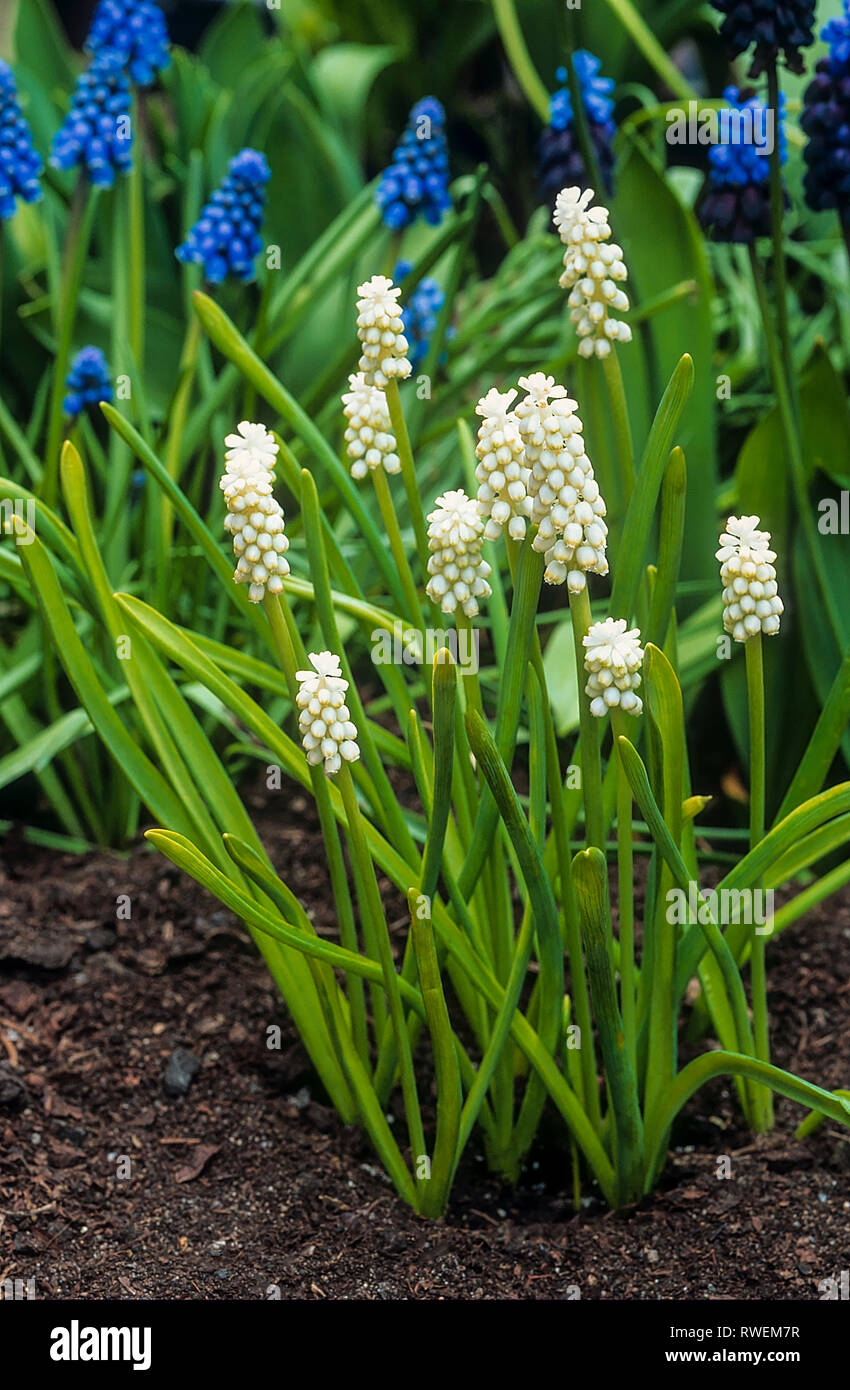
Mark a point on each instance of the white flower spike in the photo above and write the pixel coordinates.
(381, 333)
(567, 506)
(751, 602)
(502, 472)
(613, 659)
(370, 442)
(327, 733)
(458, 573)
(251, 445)
(593, 271)
(254, 518)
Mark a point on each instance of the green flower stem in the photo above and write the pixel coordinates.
(625, 890)
(283, 630)
(594, 817)
(590, 876)
(471, 686)
(116, 525)
(290, 472)
(582, 1060)
(755, 698)
(762, 1099)
(529, 576)
(171, 452)
(408, 473)
(640, 517)
(392, 253)
(249, 395)
(397, 549)
(135, 195)
(371, 906)
(783, 385)
(446, 1068)
(77, 241)
(449, 1094)
(520, 59)
(671, 532)
(645, 41)
(622, 426)
(777, 219)
(384, 801)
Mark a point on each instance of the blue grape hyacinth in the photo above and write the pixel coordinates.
(419, 314)
(137, 30)
(735, 204)
(20, 163)
(416, 182)
(771, 27)
(226, 239)
(87, 382)
(97, 133)
(826, 121)
(560, 160)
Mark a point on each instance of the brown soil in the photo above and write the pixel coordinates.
(249, 1181)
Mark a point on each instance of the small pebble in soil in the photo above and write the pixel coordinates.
(100, 938)
(182, 1068)
(13, 1092)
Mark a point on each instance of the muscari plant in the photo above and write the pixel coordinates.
(519, 969)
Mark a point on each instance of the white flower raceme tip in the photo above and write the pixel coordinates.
(613, 658)
(458, 572)
(254, 518)
(327, 734)
(594, 270)
(751, 602)
(502, 472)
(383, 346)
(370, 442)
(566, 503)
(252, 444)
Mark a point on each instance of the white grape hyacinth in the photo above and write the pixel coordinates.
(458, 572)
(594, 270)
(252, 444)
(254, 518)
(502, 472)
(751, 602)
(567, 506)
(327, 733)
(381, 332)
(370, 442)
(613, 658)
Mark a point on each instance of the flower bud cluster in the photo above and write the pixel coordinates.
(593, 271)
(254, 518)
(751, 602)
(327, 734)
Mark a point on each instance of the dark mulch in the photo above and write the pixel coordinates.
(110, 1186)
